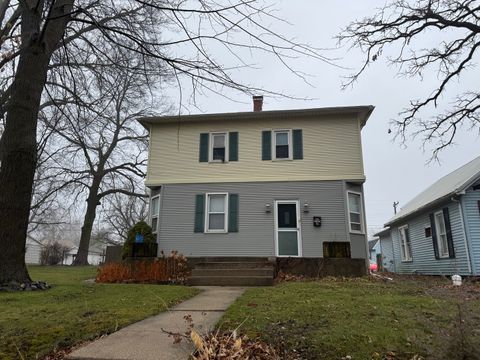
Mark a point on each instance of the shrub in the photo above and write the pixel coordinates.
(140, 228)
(53, 253)
(165, 269)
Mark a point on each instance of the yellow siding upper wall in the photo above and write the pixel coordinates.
(331, 151)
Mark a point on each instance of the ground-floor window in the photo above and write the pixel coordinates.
(355, 213)
(405, 246)
(442, 240)
(336, 249)
(216, 211)
(154, 212)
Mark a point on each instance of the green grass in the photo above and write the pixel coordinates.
(330, 319)
(35, 323)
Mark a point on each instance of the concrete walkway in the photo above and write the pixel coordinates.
(145, 339)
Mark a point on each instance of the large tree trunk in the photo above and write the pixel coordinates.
(19, 162)
(19, 148)
(88, 220)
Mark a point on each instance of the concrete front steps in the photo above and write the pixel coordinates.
(233, 272)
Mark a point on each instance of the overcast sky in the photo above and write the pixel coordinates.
(393, 172)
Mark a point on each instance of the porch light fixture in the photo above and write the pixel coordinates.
(268, 208)
(306, 207)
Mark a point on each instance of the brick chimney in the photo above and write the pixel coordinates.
(257, 103)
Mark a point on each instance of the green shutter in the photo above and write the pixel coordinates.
(448, 229)
(233, 146)
(199, 213)
(297, 144)
(233, 213)
(203, 154)
(266, 145)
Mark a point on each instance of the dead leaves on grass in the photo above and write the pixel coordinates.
(228, 345)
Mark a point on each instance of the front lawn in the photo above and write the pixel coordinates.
(35, 323)
(363, 318)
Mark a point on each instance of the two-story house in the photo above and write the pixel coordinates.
(259, 184)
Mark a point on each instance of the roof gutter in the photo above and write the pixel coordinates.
(364, 111)
(422, 208)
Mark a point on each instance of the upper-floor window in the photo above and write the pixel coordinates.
(282, 148)
(441, 230)
(355, 212)
(405, 245)
(282, 144)
(155, 212)
(218, 146)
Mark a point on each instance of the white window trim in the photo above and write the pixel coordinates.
(152, 216)
(362, 226)
(409, 259)
(437, 231)
(274, 144)
(207, 213)
(210, 147)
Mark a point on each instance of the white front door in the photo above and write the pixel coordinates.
(287, 228)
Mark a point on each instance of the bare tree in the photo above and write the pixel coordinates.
(123, 212)
(101, 147)
(33, 33)
(400, 25)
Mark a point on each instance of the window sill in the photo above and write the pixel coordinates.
(357, 232)
(216, 232)
(407, 261)
(282, 159)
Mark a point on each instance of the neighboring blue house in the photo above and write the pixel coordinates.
(386, 249)
(438, 231)
(373, 249)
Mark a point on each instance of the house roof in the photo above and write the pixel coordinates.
(364, 112)
(382, 232)
(371, 244)
(452, 184)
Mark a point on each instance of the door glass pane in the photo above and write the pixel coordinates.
(287, 215)
(216, 222)
(217, 203)
(288, 243)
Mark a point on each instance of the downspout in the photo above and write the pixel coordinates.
(467, 247)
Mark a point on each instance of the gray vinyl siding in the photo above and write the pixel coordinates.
(472, 220)
(423, 257)
(386, 248)
(255, 236)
